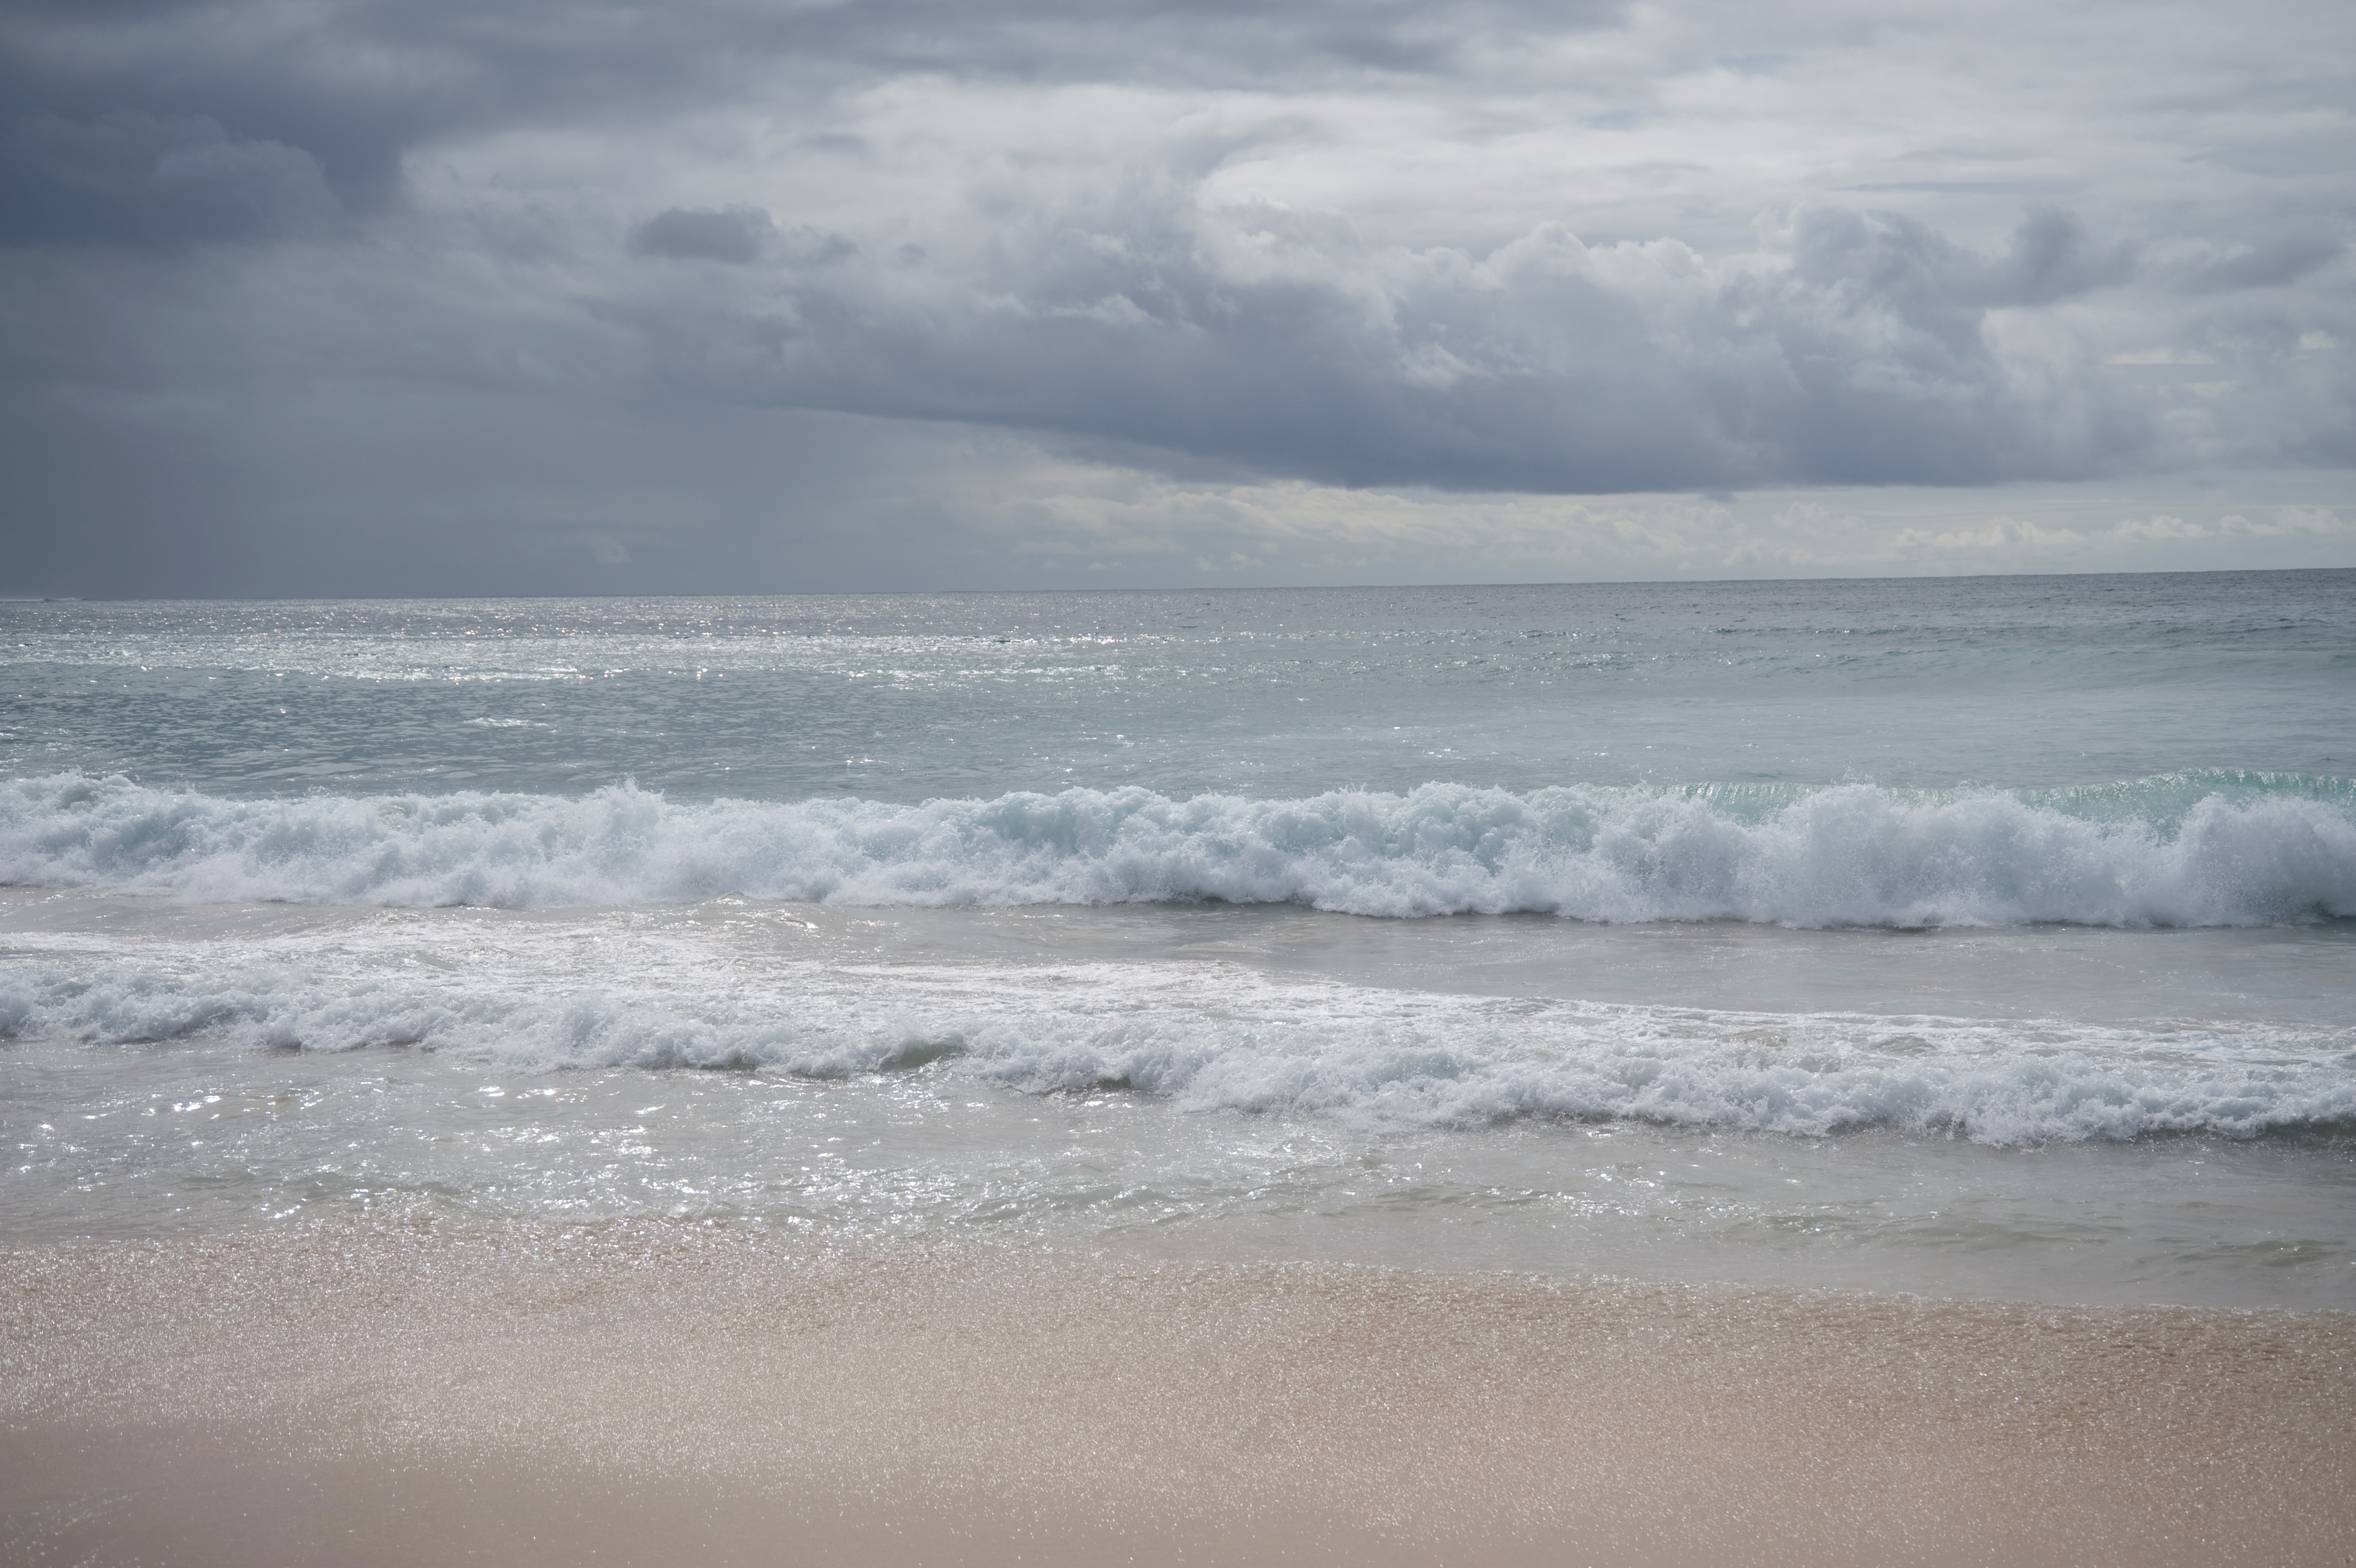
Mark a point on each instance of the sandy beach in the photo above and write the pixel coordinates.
(1319, 784)
(661, 1393)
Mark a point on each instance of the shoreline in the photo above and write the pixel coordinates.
(661, 1391)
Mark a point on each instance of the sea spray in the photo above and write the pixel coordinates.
(2159, 853)
(1221, 1038)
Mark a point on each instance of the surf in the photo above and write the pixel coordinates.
(2177, 851)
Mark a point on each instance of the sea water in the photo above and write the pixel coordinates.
(1992, 935)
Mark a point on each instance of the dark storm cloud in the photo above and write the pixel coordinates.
(1544, 366)
(253, 255)
(133, 178)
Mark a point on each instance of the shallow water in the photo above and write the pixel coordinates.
(1985, 936)
(1211, 1082)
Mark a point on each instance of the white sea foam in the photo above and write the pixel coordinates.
(1852, 854)
(1218, 1036)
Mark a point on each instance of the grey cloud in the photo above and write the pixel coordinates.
(1922, 275)
(304, 77)
(2283, 258)
(736, 235)
(477, 493)
(354, 87)
(514, 230)
(1544, 366)
(143, 180)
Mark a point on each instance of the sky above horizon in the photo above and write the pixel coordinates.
(356, 296)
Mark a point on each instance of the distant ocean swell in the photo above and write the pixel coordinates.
(2167, 851)
(1215, 1038)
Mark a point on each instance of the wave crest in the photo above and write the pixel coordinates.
(1215, 1037)
(1853, 854)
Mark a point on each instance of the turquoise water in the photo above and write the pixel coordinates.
(1979, 935)
(2007, 682)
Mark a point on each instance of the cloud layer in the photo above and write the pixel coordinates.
(284, 282)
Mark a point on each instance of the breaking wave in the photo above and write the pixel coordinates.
(1217, 1037)
(2183, 850)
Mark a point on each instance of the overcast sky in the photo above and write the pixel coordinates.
(429, 296)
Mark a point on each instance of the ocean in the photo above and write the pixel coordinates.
(1987, 937)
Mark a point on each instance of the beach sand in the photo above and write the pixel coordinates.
(671, 1393)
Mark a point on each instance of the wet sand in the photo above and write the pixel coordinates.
(670, 1394)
